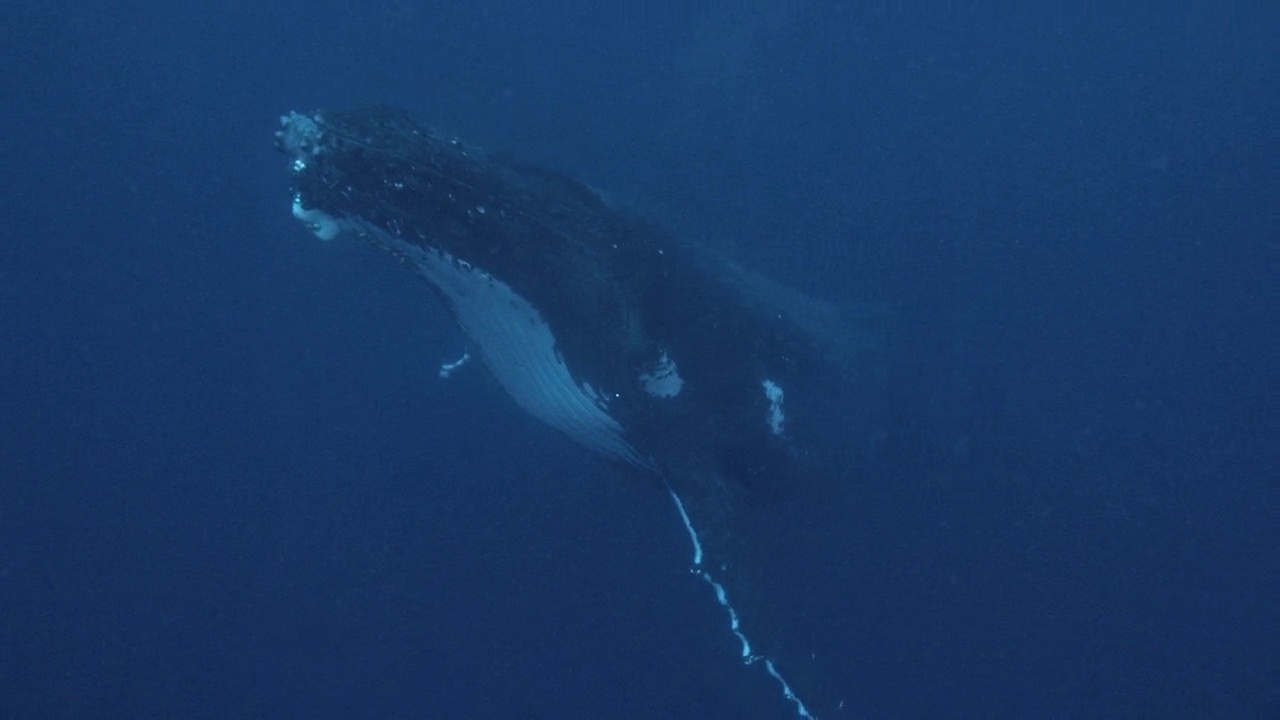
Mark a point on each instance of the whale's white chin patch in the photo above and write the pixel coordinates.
(520, 350)
(514, 340)
(324, 225)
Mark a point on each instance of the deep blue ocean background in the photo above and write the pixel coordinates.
(232, 485)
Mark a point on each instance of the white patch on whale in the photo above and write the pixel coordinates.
(664, 380)
(321, 223)
(520, 350)
(514, 339)
(774, 394)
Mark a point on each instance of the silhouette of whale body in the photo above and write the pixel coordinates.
(749, 402)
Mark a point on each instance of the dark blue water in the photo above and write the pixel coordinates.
(231, 484)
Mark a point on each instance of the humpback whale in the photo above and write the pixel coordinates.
(746, 401)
